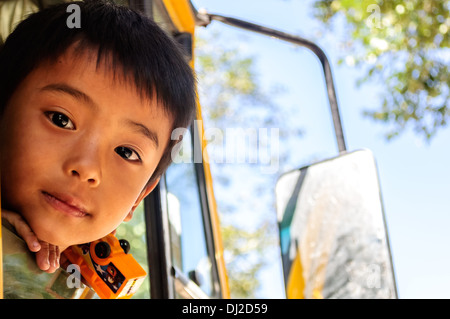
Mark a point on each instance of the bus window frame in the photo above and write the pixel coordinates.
(196, 134)
(163, 275)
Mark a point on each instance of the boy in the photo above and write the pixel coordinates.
(86, 116)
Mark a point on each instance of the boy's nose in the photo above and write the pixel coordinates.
(85, 164)
(92, 178)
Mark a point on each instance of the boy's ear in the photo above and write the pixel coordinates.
(147, 190)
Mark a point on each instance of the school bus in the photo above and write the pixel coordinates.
(175, 233)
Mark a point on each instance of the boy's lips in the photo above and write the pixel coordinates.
(65, 203)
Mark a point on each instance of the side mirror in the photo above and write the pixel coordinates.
(333, 236)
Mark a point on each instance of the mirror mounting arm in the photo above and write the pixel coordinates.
(204, 19)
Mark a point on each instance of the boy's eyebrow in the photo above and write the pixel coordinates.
(61, 87)
(145, 131)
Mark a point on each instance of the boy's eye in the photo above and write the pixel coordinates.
(60, 120)
(127, 153)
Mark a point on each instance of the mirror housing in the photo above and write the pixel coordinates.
(333, 234)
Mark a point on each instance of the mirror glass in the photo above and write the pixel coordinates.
(333, 236)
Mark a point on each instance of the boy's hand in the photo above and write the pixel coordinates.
(47, 255)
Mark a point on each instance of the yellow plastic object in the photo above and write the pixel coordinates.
(108, 267)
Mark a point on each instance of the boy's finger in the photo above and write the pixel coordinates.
(24, 230)
(53, 258)
(31, 240)
(42, 257)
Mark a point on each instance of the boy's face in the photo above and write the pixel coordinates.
(77, 150)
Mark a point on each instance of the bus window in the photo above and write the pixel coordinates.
(187, 228)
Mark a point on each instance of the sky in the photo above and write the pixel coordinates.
(414, 175)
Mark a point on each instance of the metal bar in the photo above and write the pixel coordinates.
(186, 287)
(205, 18)
(157, 257)
(196, 134)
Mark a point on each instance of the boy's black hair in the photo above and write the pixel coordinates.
(133, 44)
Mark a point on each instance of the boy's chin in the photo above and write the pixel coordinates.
(57, 238)
(62, 236)
(54, 239)
(62, 239)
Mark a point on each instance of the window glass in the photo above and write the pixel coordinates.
(135, 232)
(187, 230)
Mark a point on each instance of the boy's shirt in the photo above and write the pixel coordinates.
(22, 279)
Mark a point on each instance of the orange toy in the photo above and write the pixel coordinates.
(108, 267)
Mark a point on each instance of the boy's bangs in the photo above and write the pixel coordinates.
(123, 72)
